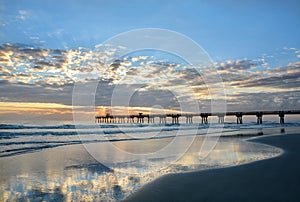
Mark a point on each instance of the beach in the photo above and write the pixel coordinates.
(54, 163)
(149, 100)
(275, 179)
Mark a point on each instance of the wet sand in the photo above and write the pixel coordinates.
(276, 179)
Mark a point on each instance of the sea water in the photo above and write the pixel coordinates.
(60, 162)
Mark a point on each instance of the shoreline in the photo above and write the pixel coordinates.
(66, 163)
(245, 133)
(206, 185)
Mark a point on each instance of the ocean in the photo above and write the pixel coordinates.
(109, 162)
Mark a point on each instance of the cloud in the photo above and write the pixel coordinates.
(287, 77)
(138, 58)
(34, 74)
(267, 101)
(23, 15)
(237, 65)
(26, 92)
(298, 53)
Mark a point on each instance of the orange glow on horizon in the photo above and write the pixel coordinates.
(33, 105)
(56, 108)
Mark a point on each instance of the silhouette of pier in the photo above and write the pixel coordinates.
(175, 118)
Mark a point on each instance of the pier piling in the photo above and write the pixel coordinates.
(239, 118)
(204, 118)
(259, 117)
(281, 117)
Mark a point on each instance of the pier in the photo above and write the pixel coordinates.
(175, 118)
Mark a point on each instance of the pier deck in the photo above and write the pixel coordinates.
(150, 118)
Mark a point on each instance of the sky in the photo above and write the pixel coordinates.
(254, 46)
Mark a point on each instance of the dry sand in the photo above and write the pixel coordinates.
(276, 179)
